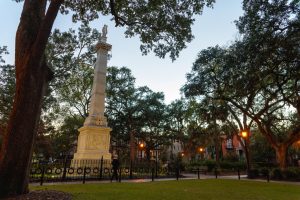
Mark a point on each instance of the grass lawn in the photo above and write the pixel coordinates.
(212, 189)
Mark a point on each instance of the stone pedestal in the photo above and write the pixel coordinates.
(93, 143)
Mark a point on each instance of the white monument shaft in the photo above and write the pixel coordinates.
(94, 136)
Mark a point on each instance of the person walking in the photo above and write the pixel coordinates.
(115, 166)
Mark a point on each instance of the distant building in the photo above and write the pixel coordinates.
(232, 146)
(175, 149)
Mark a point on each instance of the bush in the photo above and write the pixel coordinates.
(291, 173)
(232, 165)
(231, 157)
(193, 165)
(211, 165)
(277, 174)
(264, 172)
(227, 165)
(253, 173)
(264, 165)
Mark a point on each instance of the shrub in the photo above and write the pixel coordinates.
(291, 173)
(264, 172)
(211, 164)
(253, 173)
(231, 157)
(232, 165)
(277, 174)
(227, 165)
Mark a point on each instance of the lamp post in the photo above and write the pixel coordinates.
(201, 151)
(141, 146)
(245, 135)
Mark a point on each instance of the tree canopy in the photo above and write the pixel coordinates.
(257, 76)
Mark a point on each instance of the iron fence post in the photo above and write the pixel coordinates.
(177, 172)
(156, 168)
(239, 174)
(120, 174)
(152, 174)
(198, 171)
(268, 175)
(65, 170)
(42, 176)
(84, 174)
(130, 170)
(101, 168)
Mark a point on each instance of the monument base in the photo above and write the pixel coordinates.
(93, 144)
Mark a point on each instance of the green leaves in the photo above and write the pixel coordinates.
(7, 90)
(163, 26)
(257, 77)
(3, 50)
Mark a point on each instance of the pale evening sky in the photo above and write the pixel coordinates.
(214, 27)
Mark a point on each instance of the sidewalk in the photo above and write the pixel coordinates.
(186, 176)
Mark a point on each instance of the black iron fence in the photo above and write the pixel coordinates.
(68, 170)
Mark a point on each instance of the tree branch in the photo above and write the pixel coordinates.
(119, 20)
(45, 29)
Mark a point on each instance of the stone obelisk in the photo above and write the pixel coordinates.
(94, 137)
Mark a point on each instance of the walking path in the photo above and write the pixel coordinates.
(186, 176)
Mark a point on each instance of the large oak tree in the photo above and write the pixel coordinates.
(258, 75)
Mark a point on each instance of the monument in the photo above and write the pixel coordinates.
(94, 137)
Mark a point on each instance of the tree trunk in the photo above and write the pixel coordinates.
(280, 148)
(132, 147)
(18, 143)
(247, 155)
(217, 149)
(32, 75)
(147, 152)
(281, 152)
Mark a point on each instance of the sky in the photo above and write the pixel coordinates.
(214, 27)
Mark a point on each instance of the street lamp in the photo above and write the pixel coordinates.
(245, 135)
(201, 151)
(141, 146)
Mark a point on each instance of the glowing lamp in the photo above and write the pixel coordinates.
(244, 134)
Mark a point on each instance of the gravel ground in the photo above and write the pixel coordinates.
(43, 195)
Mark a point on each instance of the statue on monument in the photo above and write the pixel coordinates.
(103, 34)
(104, 31)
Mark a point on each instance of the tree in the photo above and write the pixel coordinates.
(43, 144)
(3, 50)
(262, 96)
(7, 90)
(163, 26)
(176, 118)
(271, 30)
(153, 119)
(122, 108)
(63, 140)
(270, 42)
(194, 129)
(74, 50)
(261, 150)
(7, 83)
